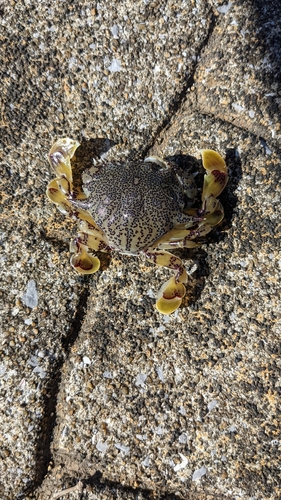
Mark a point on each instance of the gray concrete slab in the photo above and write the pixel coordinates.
(238, 76)
(154, 401)
(95, 385)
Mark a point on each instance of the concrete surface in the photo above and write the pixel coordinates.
(96, 385)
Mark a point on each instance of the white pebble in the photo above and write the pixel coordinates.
(32, 361)
(86, 360)
(141, 378)
(183, 438)
(115, 31)
(141, 437)
(3, 369)
(115, 66)
(212, 405)
(30, 298)
(122, 447)
(182, 410)
(101, 446)
(237, 107)
(146, 462)
(224, 8)
(160, 374)
(198, 473)
(183, 463)
(15, 311)
(159, 431)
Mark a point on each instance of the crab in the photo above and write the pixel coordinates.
(137, 207)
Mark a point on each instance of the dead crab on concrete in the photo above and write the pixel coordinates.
(137, 207)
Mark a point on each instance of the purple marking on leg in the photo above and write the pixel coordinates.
(219, 176)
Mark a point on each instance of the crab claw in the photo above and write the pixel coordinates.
(216, 178)
(60, 155)
(170, 296)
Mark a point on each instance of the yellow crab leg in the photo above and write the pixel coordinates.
(215, 181)
(212, 214)
(60, 189)
(179, 237)
(170, 296)
(172, 291)
(82, 261)
(180, 243)
(92, 236)
(60, 155)
(216, 177)
(56, 195)
(89, 237)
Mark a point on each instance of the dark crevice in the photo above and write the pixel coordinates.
(43, 453)
(223, 120)
(181, 98)
(263, 143)
(100, 484)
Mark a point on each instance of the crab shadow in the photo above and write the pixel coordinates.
(229, 201)
(88, 150)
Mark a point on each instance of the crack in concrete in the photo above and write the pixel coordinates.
(200, 111)
(100, 483)
(43, 450)
(181, 98)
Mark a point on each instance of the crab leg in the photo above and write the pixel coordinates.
(89, 237)
(179, 237)
(211, 213)
(216, 177)
(215, 180)
(180, 243)
(60, 191)
(172, 291)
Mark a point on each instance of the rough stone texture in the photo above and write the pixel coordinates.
(237, 78)
(92, 364)
(83, 69)
(198, 385)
